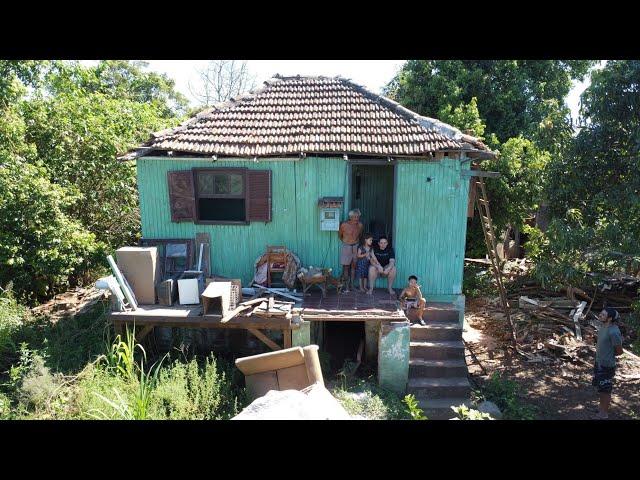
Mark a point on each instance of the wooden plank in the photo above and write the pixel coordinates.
(204, 238)
(287, 338)
(271, 303)
(266, 340)
(479, 173)
(576, 319)
(234, 312)
(253, 301)
(209, 321)
(273, 290)
(144, 332)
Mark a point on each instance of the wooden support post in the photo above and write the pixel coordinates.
(266, 340)
(287, 338)
(372, 333)
(144, 332)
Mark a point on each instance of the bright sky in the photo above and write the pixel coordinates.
(373, 74)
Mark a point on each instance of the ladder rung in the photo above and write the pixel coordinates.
(485, 218)
(483, 201)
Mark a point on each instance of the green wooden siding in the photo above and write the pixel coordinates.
(296, 188)
(430, 217)
(431, 224)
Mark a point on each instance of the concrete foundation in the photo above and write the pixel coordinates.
(393, 356)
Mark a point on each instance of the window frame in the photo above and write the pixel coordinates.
(224, 170)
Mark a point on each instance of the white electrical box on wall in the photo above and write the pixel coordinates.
(330, 208)
(330, 219)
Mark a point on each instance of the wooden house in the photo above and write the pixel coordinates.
(250, 172)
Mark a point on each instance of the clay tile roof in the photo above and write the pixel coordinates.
(293, 115)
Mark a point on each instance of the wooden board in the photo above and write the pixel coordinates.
(266, 340)
(204, 238)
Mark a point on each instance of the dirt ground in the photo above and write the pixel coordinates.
(558, 390)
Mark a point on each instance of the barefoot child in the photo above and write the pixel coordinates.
(363, 260)
(411, 297)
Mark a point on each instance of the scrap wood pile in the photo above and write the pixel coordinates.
(563, 324)
(74, 302)
(264, 304)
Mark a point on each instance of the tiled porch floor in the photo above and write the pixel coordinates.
(354, 300)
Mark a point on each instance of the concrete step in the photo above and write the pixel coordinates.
(440, 408)
(437, 331)
(444, 312)
(437, 350)
(440, 387)
(437, 368)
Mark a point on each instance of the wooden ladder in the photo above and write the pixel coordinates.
(482, 202)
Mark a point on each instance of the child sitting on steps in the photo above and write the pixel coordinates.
(411, 297)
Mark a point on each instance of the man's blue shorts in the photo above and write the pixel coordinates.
(603, 378)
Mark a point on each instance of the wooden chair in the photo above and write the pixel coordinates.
(275, 254)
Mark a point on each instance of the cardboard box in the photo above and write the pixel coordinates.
(141, 267)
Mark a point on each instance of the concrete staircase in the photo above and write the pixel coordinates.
(437, 368)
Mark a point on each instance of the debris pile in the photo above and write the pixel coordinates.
(562, 325)
(74, 302)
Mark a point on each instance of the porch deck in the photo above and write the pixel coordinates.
(353, 306)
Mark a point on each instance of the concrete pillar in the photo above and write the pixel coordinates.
(301, 337)
(371, 337)
(393, 356)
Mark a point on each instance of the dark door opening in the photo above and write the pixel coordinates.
(372, 193)
(342, 341)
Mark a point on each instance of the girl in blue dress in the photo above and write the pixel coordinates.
(364, 255)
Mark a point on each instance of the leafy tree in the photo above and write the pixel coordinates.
(41, 248)
(516, 105)
(122, 80)
(513, 96)
(63, 194)
(594, 193)
(86, 116)
(465, 117)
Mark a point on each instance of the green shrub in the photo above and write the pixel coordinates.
(189, 391)
(5, 407)
(505, 394)
(465, 413)
(11, 317)
(42, 250)
(366, 399)
(414, 410)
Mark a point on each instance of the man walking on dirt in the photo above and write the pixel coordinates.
(609, 346)
(349, 233)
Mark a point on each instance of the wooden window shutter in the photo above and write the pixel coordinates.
(181, 196)
(259, 195)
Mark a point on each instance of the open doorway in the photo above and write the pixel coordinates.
(372, 192)
(342, 342)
